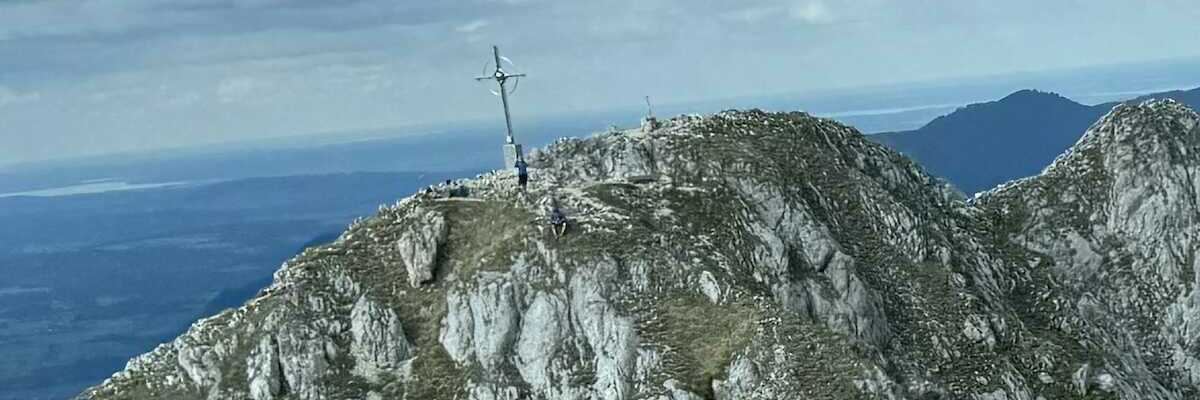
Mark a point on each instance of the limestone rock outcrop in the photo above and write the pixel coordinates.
(419, 245)
(743, 255)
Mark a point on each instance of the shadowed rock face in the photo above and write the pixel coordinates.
(773, 256)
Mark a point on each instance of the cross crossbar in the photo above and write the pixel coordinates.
(501, 77)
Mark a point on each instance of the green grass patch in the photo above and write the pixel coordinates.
(482, 236)
(700, 337)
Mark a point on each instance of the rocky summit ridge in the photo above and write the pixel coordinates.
(743, 255)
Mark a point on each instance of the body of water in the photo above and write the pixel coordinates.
(91, 187)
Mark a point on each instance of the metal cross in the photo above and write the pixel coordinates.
(501, 77)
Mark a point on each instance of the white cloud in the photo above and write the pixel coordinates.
(812, 12)
(472, 26)
(258, 4)
(752, 14)
(8, 96)
(806, 11)
(237, 90)
(307, 66)
(58, 18)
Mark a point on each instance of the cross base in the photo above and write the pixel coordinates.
(512, 152)
(649, 124)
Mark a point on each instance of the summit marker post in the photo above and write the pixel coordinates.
(512, 150)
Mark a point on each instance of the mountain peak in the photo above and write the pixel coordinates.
(1160, 109)
(1015, 104)
(983, 145)
(1132, 138)
(1030, 100)
(744, 254)
(1030, 94)
(1138, 133)
(1114, 219)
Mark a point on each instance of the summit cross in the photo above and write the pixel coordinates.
(501, 77)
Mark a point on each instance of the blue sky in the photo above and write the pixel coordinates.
(98, 76)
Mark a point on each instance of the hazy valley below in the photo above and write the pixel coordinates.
(94, 279)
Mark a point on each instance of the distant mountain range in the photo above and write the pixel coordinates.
(982, 145)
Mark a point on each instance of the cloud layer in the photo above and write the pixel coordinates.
(93, 76)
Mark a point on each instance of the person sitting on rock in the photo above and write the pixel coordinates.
(522, 172)
(558, 221)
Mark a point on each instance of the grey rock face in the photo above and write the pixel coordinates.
(201, 365)
(263, 371)
(419, 244)
(378, 343)
(609, 335)
(457, 334)
(545, 326)
(1118, 220)
(304, 359)
(494, 321)
(744, 255)
(741, 381)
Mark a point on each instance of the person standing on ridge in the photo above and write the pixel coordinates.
(522, 172)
